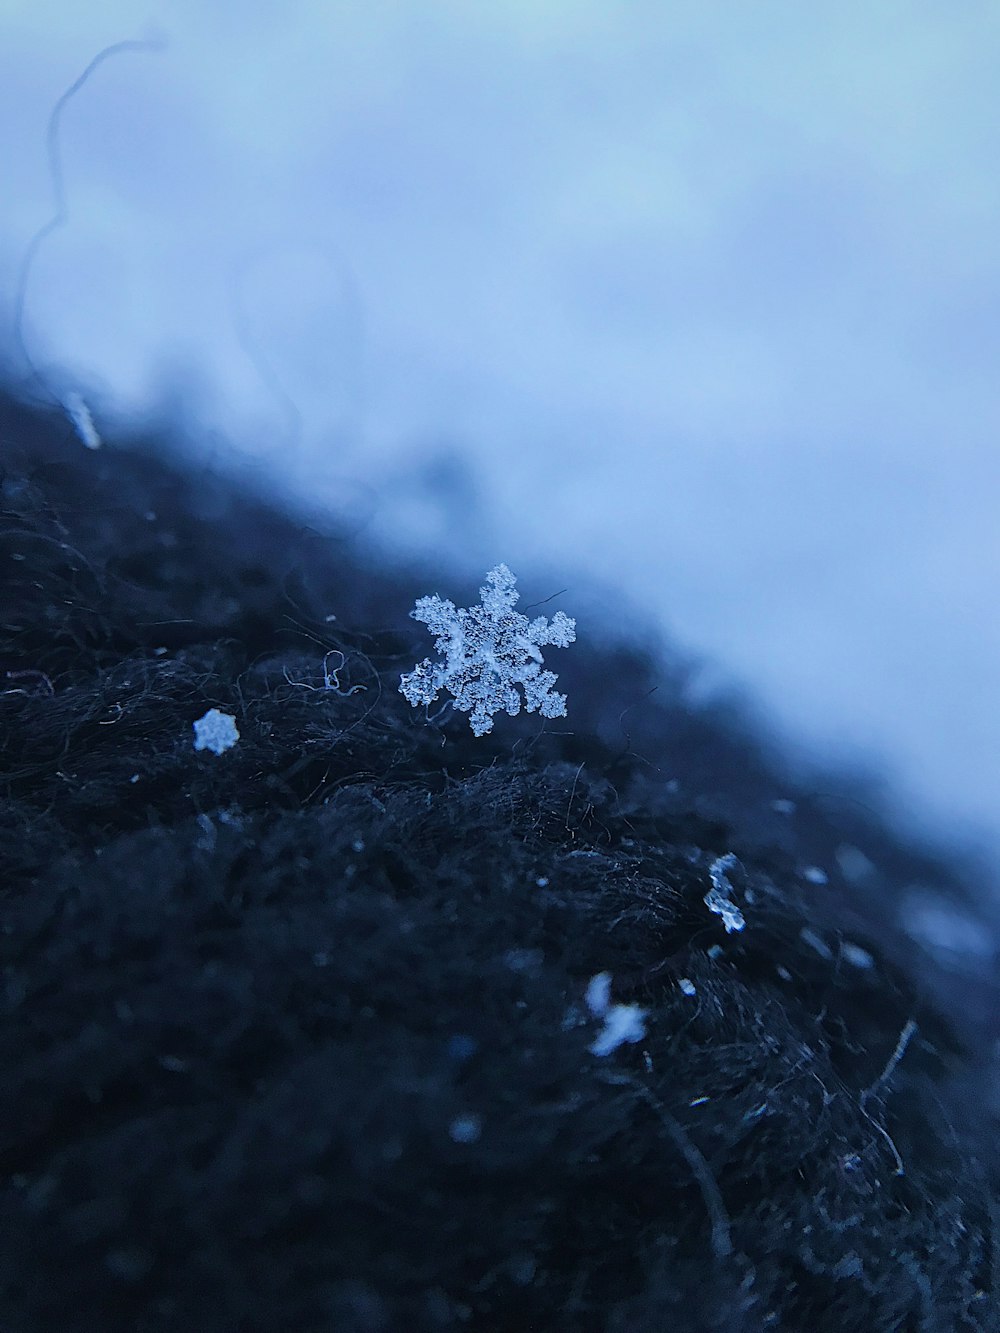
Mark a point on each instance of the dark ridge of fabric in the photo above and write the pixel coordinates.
(295, 1036)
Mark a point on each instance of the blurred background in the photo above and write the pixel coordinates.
(696, 305)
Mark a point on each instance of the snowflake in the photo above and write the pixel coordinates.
(488, 650)
(718, 899)
(216, 731)
(622, 1022)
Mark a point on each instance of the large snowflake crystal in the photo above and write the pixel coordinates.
(489, 650)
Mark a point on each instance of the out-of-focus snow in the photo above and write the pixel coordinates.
(702, 301)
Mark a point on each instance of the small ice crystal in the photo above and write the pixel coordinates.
(718, 899)
(622, 1022)
(216, 731)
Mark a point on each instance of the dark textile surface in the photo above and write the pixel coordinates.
(295, 1038)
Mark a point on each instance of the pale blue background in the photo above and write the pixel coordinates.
(698, 301)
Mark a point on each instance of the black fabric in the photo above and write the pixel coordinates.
(295, 1036)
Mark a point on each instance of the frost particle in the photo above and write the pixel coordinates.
(718, 899)
(83, 423)
(857, 956)
(216, 731)
(598, 995)
(622, 1022)
(816, 942)
(465, 1128)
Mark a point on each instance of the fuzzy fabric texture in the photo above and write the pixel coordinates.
(296, 1034)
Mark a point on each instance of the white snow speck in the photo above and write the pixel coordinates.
(83, 423)
(598, 996)
(622, 1023)
(856, 956)
(718, 899)
(216, 731)
(465, 1128)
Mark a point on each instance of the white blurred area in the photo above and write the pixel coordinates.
(700, 301)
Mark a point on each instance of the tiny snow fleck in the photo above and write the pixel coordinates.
(134, 778)
(79, 413)
(857, 956)
(713, 951)
(465, 1128)
(461, 1046)
(358, 845)
(854, 865)
(816, 942)
(687, 986)
(718, 899)
(542, 882)
(216, 731)
(815, 875)
(934, 923)
(783, 972)
(206, 843)
(622, 1023)
(783, 807)
(699, 1101)
(598, 995)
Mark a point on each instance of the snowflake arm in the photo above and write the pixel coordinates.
(488, 650)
